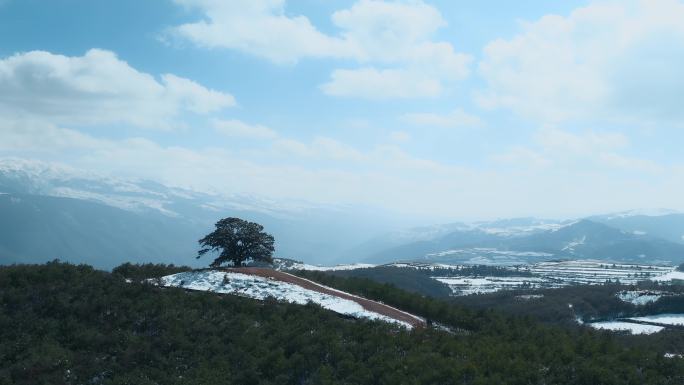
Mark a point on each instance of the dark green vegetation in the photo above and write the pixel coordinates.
(411, 280)
(237, 241)
(140, 272)
(66, 324)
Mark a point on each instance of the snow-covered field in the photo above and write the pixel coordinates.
(305, 266)
(671, 276)
(633, 328)
(596, 272)
(546, 274)
(481, 285)
(559, 274)
(260, 288)
(489, 256)
(640, 297)
(663, 319)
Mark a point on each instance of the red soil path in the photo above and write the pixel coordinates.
(367, 304)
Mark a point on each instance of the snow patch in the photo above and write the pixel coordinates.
(260, 288)
(577, 242)
(304, 266)
(482, 285)
(663, 319)
(673, 275)
(633, 328)
(639, 297)
(643, 212)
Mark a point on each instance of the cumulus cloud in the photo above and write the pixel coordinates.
(456, 118)
(608, 60)
(98, 88)
(577, 151)
(371, 83)
(237, 128)
(392, 41)
(258, 27)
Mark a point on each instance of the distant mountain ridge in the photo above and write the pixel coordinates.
(530, 240)
(105, 221)
(49, 211)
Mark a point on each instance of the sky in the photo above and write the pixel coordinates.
(454, 110)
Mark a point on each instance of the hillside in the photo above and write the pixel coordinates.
(262, 283)
(69, 324)
(584, 239)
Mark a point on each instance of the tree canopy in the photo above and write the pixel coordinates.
(238, 240)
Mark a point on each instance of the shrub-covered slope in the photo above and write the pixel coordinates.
(65, 324)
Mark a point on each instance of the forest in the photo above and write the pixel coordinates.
(73, 324)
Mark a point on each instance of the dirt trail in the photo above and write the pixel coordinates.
(365, 303)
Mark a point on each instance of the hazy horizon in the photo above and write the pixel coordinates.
(439, 110)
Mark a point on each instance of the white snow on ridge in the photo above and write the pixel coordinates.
(260, 288)
(639, 297)
(482, 285)
(664, 319)
(673, 275)
(633, 328)
(577, 242)
(354, 266)
(643, 212)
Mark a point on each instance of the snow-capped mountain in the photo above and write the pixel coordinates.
(487, 243)
(661, 223)
(85, 217)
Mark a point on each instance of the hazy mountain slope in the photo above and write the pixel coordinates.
(668, 226)
(303, 231)
(583, 239)
(589, 239)
(38, 228)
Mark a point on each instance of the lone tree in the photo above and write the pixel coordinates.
(238, 240)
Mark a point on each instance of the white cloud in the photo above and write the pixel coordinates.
(608, 60)
(400, 136)
(522, 157)
(98, 88)
(237, 128)
(554, 140)
(573, 152)
(320, 148)
(385, 176)
(258, 27)
(370, 83)
(392, 41)
(456, 118)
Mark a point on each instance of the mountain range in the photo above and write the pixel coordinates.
(49, 211)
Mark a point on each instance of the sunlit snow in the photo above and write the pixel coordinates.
(261, 288)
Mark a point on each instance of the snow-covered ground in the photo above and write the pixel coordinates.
(597, 272)
(489, 256)
(664, 319)
(424, 266)
(672, 275)
(633, 328)
(481, 285)
(261, 288)
(353, 266)
(639, 297)
(559, 274)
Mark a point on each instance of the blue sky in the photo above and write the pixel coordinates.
(446, 109)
